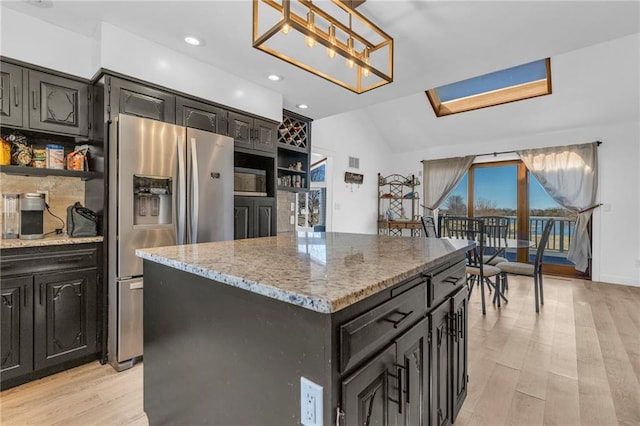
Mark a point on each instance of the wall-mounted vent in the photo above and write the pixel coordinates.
(354, 163)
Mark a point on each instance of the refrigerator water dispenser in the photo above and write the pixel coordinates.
(152, 200)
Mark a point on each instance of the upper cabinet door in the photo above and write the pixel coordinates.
(135, 99)
(11, 102)
(57, 104)
(265, 135)
(198, 115)
(241, 129)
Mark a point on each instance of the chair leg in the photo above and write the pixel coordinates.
(541, 290)
(471, 282)
(505, 281)
(535, 286)
(484, 307)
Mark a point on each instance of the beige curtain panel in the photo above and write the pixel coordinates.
(569, 174)
(440, 179)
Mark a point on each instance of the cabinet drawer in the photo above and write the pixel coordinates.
(443, 283)
(39, 262)
(364, 335)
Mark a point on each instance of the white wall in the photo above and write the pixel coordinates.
(37, 42)
(354, 208)
(34, 41)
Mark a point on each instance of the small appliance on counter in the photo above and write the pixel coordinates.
(10, 216)
(32, 207)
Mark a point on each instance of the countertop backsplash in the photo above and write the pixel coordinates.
(63, 192)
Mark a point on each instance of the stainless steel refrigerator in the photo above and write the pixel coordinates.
(168, 185)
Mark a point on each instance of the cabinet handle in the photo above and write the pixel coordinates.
(396, 324)
(398, 378)
(16, 101)
(453, 325)
(34, 99)
(460, 326)
(451, 280)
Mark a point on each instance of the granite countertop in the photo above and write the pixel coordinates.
(324, 272)
(50, 240)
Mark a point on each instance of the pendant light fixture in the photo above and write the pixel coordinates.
(367, 50)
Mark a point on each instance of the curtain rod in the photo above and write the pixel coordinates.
(503, 152)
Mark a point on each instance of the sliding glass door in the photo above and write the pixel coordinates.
(508, 189)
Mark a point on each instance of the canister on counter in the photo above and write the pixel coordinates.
(39, 159)
(5, 152)
(55, 156)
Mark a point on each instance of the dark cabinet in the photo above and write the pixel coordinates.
(459, 379)
(294, 146)
(252, 133)
(366, 398)
(413, 360)
(11, 95)
(16, 324)
(44, 102)
(254, 217)
(132, 98)
(421, 378)
(65, 317)
(49, 310)
(58, 104)
(198, 115)
(440, 358)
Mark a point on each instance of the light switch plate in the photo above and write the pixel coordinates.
(310, 403)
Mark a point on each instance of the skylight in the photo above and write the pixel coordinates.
(509, 85)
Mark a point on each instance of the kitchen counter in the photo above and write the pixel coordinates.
(323, 272)
(51, 240)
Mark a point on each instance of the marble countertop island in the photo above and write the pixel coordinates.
(323, 272)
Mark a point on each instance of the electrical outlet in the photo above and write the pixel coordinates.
(292, 220)
(293, 207)
(310, 403)
(46, 195)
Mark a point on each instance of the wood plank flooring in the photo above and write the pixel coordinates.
(575, 363)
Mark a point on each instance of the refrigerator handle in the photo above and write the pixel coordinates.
(180, 197)
(196, 193)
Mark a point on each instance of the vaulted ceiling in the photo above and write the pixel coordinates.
(436, 42)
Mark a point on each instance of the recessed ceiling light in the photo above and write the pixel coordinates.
(302, 106)
(274, 77)
(192, 41)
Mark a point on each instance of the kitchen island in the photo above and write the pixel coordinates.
(378, 322)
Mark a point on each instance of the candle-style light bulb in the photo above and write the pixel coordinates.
(331, 52)
(365, 58)
(350, 62)
(310, 41)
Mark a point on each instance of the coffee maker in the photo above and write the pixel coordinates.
(32, 207)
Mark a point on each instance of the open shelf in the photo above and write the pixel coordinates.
(286, 169)
(33, 171)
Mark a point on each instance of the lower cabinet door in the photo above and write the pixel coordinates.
(370, 395)
(459, 350)
(440, 363)
(65, 316)
(16, 325)
(412, 354)
(242, 218)
(265, 211)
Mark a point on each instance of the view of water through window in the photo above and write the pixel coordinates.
(495, 193)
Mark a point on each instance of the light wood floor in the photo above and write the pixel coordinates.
(576, 363)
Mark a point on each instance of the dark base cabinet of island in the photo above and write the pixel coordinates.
(217, 354)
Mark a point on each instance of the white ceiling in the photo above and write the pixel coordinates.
(436, 42)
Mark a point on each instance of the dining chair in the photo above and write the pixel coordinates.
(473, 229)
(496, 229)
(535, 270)
(429, 226)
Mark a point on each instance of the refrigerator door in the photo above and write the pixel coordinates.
(150, 184)
(130, 331)
(210, 187)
